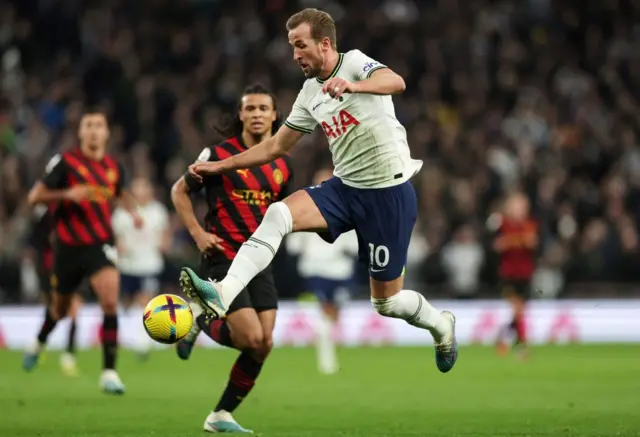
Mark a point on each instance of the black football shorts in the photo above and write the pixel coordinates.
(260, 294)
(73, 264)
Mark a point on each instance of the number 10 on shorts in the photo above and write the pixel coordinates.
(378, 257)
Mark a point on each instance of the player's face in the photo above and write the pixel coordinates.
(308, 53)
(93, 132)
(517, 207)
(257, 113)
(141, 190)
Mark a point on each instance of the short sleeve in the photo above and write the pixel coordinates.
(55, 173)
(123, 180)
(204, 156)
(300, 119)
(361, 66)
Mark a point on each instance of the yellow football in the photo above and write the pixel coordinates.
(167, 318)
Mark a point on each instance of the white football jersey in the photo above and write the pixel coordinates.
(320, 259)
(367, 142)
(141, 247)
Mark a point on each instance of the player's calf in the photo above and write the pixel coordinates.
(57, 310)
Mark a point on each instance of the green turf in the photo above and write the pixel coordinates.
(561, 391)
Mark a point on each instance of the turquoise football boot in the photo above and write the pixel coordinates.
(206, 293)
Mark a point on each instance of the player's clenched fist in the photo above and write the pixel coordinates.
(200, 169)
(336, 86)
(78, 193)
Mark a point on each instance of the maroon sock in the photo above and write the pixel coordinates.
(243, 377)
(217, 330)
(47, 326)
(109, 341)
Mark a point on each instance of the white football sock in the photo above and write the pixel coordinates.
(257, 253)
(412, 307)
(325, 347)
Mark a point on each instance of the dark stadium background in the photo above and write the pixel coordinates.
(538, 93)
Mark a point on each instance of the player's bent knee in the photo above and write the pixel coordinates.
(251, 340)
(305, 212)
(278, 216)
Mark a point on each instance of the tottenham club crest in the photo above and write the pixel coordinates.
(277, 176)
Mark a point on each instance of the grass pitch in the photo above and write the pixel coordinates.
(562, 391)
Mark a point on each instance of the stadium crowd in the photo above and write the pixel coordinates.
(535, 95)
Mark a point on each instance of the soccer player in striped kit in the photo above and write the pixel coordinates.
(237, 202)
(83, 183)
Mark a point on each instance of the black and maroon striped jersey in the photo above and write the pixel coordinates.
(88, 222)
(238, 200)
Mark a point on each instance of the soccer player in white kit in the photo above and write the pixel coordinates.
(349, 96)
(140, 254)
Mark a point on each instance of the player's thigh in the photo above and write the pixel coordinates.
(76, 304)
(384, 222)
(60, 304)
(262, 291)
(104, 278)
(246, 329)
(322, 208)
(68, 269)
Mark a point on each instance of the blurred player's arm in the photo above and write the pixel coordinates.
(118, 226)
(125, 199)
(181, 199)
(167, 234)
(53, 186)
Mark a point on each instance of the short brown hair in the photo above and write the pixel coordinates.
(322, 25)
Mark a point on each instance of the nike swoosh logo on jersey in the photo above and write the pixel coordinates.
(377, 270)
(316, 105)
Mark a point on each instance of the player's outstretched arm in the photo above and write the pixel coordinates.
(129, 204)
(262, 153)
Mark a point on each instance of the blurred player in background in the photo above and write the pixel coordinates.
(41, 240)
(328, 270)
(349, 96)
(141, 253)
(82, 184)
(516, 242)
(237, 202)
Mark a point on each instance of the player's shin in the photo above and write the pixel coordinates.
(258, 252)
(110, 341)
(325, 346)
(243, 377)
(412, 307)
(47, 327)
(217, 330)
